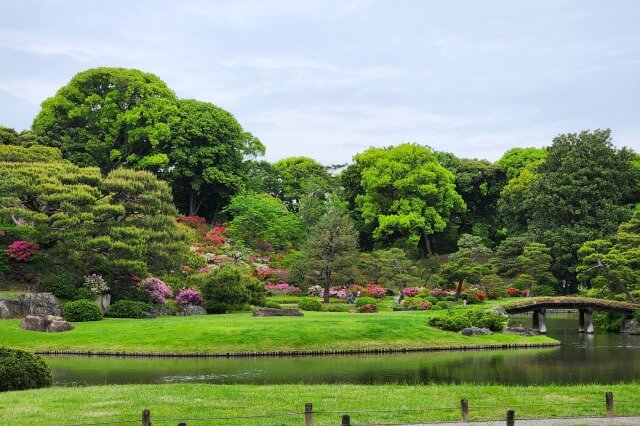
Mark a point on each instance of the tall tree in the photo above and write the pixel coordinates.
(390, 267)
(407, 194)
(515, 160)
(331, 248)
(469, 264)
(110, 117)
(207, 154)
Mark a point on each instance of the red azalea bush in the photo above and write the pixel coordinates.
(376, 291)
(480, 295)
(216, 234)
(513, 292)
(368, 309)
(192, 221)
(21, 251)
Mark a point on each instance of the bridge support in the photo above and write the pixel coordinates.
(586, 321)
(539, 322)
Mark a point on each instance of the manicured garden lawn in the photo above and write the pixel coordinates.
(386, 404)
(240, 332)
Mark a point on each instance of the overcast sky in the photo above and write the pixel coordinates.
(327, 79)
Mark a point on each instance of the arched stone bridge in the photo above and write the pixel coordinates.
(584, 305)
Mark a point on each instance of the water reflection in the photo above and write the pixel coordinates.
(600, 358)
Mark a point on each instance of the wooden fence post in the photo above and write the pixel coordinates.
(511, 418)
(346, 420)
(608, 397)
(464, 410)
(308, 414)
(146, 418)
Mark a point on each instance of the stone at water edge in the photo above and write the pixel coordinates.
(475, 331)
(270, 312)
(522, 331)
(189, 310)
(630, 326)
(48, 323)
(40, 304)
(10, 308)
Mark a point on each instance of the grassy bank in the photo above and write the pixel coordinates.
(366, 404)
(242, 333)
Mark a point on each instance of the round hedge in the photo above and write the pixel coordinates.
(361, 301)
(272, 305)
(310, 305)
(81, 310)
(20, 370)
(128, 309)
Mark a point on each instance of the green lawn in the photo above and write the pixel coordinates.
(240, 332)
(386, 404)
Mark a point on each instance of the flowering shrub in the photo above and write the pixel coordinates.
(334, 292)
(368, 309)
(96, 284)
(416, 304)
(192, 221)
(266, 273)
(375, 291)
(438, 292)
(480, 295)
(22, 251)
(314, 290)
(513, 292)
(216, 235)
(157, 289)
(354, 289)
(283, 288)
(189, 296)
(411, 291)
(264, 246)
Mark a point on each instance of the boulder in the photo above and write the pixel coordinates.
(104, 301)
(189, 310)
(10, 308)
(475, 331)
(40, 304)
(161, 310)
(500, 310)
(270, 312)
(522, 331)
(48, 323)
(630, 326)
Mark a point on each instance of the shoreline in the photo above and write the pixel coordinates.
(302, 353)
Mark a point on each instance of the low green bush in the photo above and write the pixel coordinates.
(61, 286)
(128, 309)
(608, 321)
(366, 301)
(444, 305)
(284, 299)
(542, 290)
(342, 307)
(226, 290)
(459, 319)
(368, 309)
(81, 310)
(272, 305)
(308, 304)
(20, 370)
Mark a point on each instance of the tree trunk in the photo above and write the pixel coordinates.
(425, 246)
(458, 290)
(626, 291)
(327, 286)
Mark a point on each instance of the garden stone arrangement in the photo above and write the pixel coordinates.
(34, 304)
(49, 323)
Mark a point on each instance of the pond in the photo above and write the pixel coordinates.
(600, 358)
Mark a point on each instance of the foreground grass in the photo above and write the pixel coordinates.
(172, 403)
(243, 333)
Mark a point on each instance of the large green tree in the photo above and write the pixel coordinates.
(581, 192)
(390, 267)
(406, 194)
(110, 117)
(469, 264)
(207, 156)
(331, 249)
(515, 160)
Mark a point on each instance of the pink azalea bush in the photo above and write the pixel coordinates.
(282, 288)
(189, 296)
(411, 291)
(96, 283)
(267, 273)
(21, 251)
(416, 304)
(157, 289)
(376, 291)
(342, 293)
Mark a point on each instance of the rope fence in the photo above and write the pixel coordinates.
(309, 416)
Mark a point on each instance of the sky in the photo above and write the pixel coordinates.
(328, 79)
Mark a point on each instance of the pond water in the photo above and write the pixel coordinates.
(600, 358)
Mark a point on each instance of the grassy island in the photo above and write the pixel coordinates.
(240, 332)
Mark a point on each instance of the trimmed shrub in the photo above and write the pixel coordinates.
(61, 286)
(542, 290)
(226, 290)
(368, 309)
(308, 304)
(20, 370)
(272, 305)
(457, 320)
(257, 293)
(365, 301)
(128, 309)
(81, 310)
(342, 307)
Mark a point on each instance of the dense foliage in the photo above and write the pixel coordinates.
(81, 310)
(21, 370)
